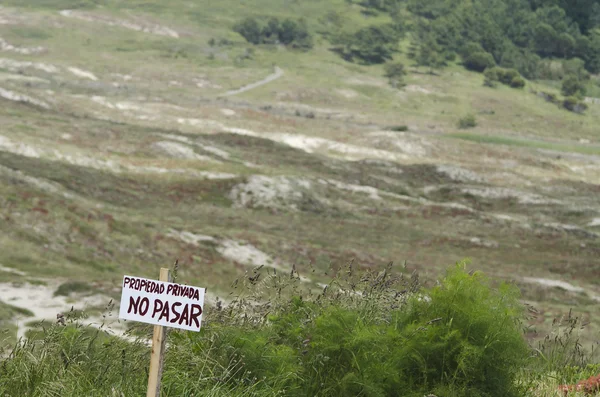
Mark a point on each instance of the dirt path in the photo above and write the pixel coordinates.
(274, 76)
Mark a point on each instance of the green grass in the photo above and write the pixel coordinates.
(368, 333)
(99, 224)
(528, 143)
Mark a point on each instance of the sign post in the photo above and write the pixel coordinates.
(158, 349)
(163, 304)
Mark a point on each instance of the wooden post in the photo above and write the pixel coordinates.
(158, 349)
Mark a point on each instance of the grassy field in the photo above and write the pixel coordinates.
(119, 153)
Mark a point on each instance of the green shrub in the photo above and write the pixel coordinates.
(395, 72)
(370, 45)
(366, 334)
(506, 76)
(398, 128)
(572, 86)
(574, 105)
(517, 82)
(249, 29)
(467, 122)
(490, 77)
(69, 287)
(549, 97)
(509, 77)
(479, 61)
(289, 32)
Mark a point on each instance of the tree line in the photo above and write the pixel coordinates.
(540, 39)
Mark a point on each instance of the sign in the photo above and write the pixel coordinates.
(162, 303)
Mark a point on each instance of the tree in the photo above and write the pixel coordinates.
(565, 45)
(249, 29)
(289, 32)
(545, 38)
(295, 34)
(271, 32)
(576, 67)
(592, 56)
(572, 87)
(479, 61)
(430, 54)
(594, 20)
(395, 72)
(372, 44)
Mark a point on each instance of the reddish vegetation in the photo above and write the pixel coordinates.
(588, 386)
(40, 210)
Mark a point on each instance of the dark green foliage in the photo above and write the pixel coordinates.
(508, 77)
(65, 289)
(479, 61)
(490, 77)
(378, 5)
(574, 104)
(395, 72)
(559, 69)
(517, 82)
(366, 334)
(398, 128)
(467, 122)
(74, 361)
(289, 32)
(576, 67)
(517, 33)
(249, 29)
(572, 86)
(430, 54)
(370, 45)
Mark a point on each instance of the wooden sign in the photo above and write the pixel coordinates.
(162, 303)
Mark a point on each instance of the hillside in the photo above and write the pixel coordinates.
(133, 135)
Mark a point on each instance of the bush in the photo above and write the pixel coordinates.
(467, 122)
(572, 86)
(574, 105)
(506, 76)
(70, 287)
(395, 73)
(549, 97)
(249, 29)
(366, 334)
(517, 82)
(398, 128)
(490, 77)
(479, 61)
(370, 45)
(289, 32)
(509, 77)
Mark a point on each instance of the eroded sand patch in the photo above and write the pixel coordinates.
(406, 143)
(460, 174)
(189, 237)
(594, 222)
(180, 151)
(554, 284)
(11, 270)
(6, 46)
(15, 66)
(270, 192)
(16, 97)
(40, 300)
(82, 73)
(112, 165)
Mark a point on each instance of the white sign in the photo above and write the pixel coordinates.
(161, 303)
